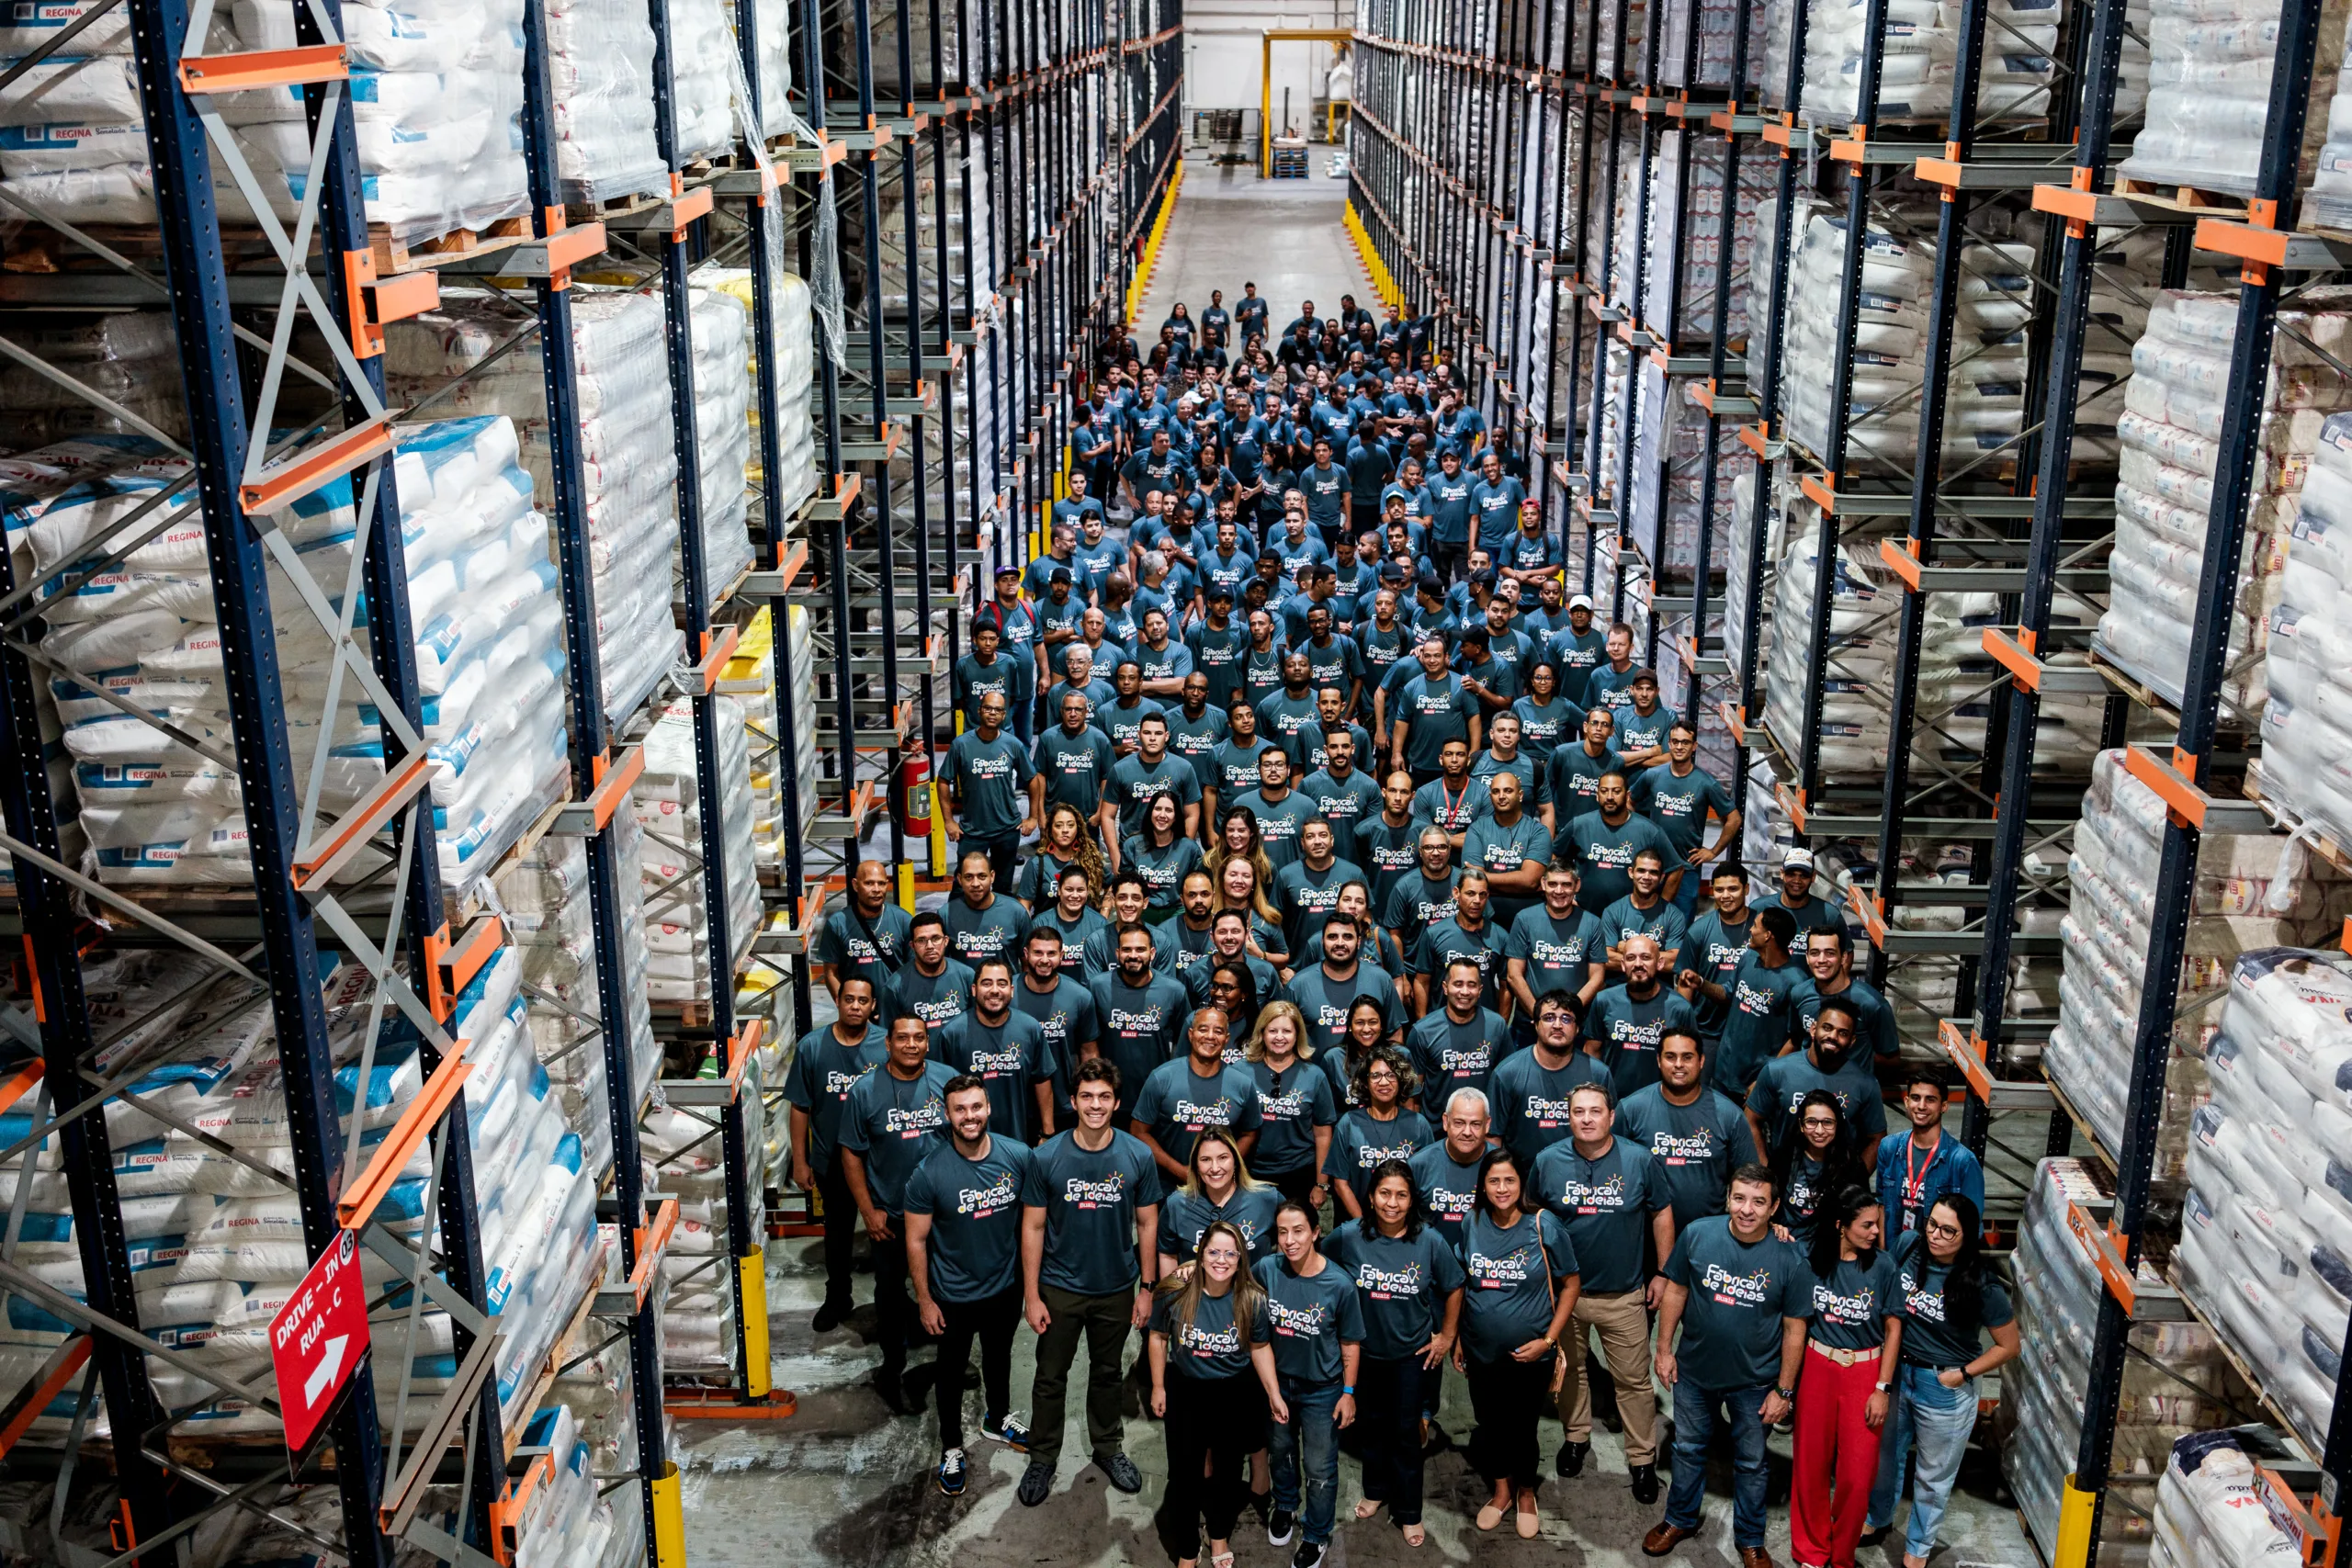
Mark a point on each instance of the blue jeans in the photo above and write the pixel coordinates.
(1686, 898)
(1697, 1412)
(1306, 1448)
(1938, 1421)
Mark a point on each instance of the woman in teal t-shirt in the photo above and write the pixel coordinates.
(1162, 856)
(1212, 1381)
(1852, 1348)
(1520, 1286)
(1377, 1129)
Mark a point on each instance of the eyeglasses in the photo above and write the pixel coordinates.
(1937, 1227)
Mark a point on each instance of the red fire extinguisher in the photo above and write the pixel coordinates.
(914, 796)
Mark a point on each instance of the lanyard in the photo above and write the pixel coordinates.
(1915, 1177)
(1454, 802)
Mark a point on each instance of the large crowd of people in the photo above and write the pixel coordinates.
(1347, 976)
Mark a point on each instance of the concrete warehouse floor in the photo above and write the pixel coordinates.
(845, 1483)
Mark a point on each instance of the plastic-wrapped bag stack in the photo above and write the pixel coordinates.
(1916, 60)
(2306, 757)
(482, 600)
(2211, 1511)
(2329, 201)
(628, 461)
(131, 356)
(796, 350)
(599, 62)
(1890, 319)
(567, 1521)
(669, 801)
(2209, 91)
(1717, 21)
(2266, 1235)
(749, 680)
(2252, 893)
(2178, 1381)
(544, 896)
(772, 61)
(723, 405)
(437, 101)
(1698, 213)
(703, 65)
(2169, 432)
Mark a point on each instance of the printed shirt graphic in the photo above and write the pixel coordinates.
(934, 998)
(1290, 1105)
(1362, 1142)
(1739, 1293)
(843, 945)
(1605, 854)
(1557, 954)
(1449, 1189)
(893, 1123)
(1312, 1318)
(1210, 1345)
(1090, 1198)
(1178, 1105)
(1529, 1101)
(1141, 1028)
(1782, 1083)
(1930, 1337)
(1508, 1294)
(1184, 1217)
(1694, 1147)
(1401, 1283)
(1009, 1060)
(1606, 1202)
(1757, 1017)
(1450, 1055)
(975, 1209)
(823, 1071)
(1851, 1308)
(989, 776)
(1630, 1028)
(1714, 950)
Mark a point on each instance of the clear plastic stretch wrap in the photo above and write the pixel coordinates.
(796, 351)
(131, 358)
(2252, 891)
(1669, 448)
(1918, 44)
(2266, 1233)
(668, 801)
(703, 66)
(629, 465)
(1698, 215)
(215, 1237)
(2213, 1510)
(482, 599)
(601, 62)
(2306, 737)
(2329, 201)
(749, 679)
(723, 407)
(2178, 1380)
(2169, 434)
(2209, 91)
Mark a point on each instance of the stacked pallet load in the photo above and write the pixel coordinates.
(2177, 1381)
(724, 402)
(669, 801)
(2208, 93)
(792, 327)
(2170, 432)
(2213, 1507)
(2306, 764)
(2249, 897)
(129, 357)
(600, 55)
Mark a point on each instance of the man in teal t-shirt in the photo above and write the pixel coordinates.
(988, 790)
(1756, 1002)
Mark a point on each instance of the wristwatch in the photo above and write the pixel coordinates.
(1786, 1392)
(1884, 1387)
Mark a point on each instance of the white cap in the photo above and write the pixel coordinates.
(1797, 860)
(1580, 601)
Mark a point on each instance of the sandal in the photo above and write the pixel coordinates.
(1222, 1559)
(1415, 1535)
(1368, 1507)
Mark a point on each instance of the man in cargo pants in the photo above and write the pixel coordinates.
(1090, 1250)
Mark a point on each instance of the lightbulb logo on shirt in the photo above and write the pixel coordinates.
(1133, 1023)
(1197, 1115)
(1005, 1063)
(1851, 1310)
(1588, 1197)
(838, 1083)
(1684, 1148)
(1282, 1107)
(983, 1203)
(1107, 1192)
(1557, 954)
(1295, 1321)
(1922, 1304)
(1546, 1113)
(914, 1121)
(1736, 1290)
(1206, 1343)
(1383, 1284)
(1513, 1268)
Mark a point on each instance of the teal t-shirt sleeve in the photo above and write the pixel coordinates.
(1763, 1091)
(1557, 1244)
(1144, 1172)
(1445, 1270)
(917, 1197)
(1676, 1267)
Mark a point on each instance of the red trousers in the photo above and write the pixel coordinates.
(1836, 1459)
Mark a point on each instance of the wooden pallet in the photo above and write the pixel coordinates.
(2199, 199)
(397, 255)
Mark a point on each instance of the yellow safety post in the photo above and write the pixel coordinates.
(938, 832)
(669, 1513)
(907, 885)
(2076, 1508)
(752, 1269)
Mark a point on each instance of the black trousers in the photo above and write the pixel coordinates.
(991, 1321)
(1451, 560)
(841, 1228)
(893, 1307)
(1209, 1420)
(1003, 853)
(1508, 1397)
(1388, 1411)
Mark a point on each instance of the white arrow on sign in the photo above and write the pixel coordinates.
(322, 1378)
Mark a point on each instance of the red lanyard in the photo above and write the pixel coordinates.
(1454, 802)
(1915, 1178)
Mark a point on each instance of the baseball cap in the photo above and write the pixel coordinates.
(1008, 572)
(1059, 574)
(1797, 860)
(1640, 675)
(1579, 601)
(1429, 583)
(1220, 591)
(1482, 578)
(1392, 572)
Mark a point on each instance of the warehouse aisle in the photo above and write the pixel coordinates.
(1230, 227)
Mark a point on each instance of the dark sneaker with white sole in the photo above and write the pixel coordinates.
(1308, 1555)
(1036, 1482)
(1280, 1527)
(951, 1472)
(1010, 1430)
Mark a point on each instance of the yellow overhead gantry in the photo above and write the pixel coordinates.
(1266, 81)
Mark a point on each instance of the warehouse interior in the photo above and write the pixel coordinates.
(498, 497)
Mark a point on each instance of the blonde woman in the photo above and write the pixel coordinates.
(1241, 886)
(1238, 839)
(1212, 1381)
(1296, 1108)
(1218, 1189)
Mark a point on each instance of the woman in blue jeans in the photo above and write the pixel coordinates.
(1318, 1342)
(1949, 1302)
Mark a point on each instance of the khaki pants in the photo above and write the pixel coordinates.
(1623, 1322)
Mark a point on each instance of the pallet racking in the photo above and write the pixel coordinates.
(1019, 160)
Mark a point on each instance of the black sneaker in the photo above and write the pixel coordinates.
(1644, 1483)
(1036, 1482)
(829, 1316)
(1122, 1473)
(951, 1472)
(1308, 1555)
(1569, 1462)
(1279, 1528)
(1010, 1430)
(891, 1384)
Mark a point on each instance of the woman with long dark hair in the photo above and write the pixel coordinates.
(1162, 856)
(1852, 1349)
(1520, 1269)
(1409, 1284)
(1367, 1027)
(1952, 1299)
(1066, 841)
(1212, 1381)
(1816, 1159)
(1377, 1129)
